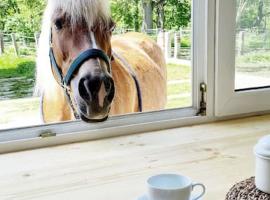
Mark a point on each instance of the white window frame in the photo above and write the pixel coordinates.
(228, 101)
(203, 19)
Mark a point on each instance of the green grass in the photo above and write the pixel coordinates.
(254, 58)
(179, 88)
(255, 64)
(13, 66)
(179, 103)
(178, 72)
(183, 73)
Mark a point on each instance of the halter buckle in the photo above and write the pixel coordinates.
(65, 87)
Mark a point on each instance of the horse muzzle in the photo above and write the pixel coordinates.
(95, 95)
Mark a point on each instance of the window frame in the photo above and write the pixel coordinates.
(230, 101)
(203, 49)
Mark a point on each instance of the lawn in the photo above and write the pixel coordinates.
(179, 90)
(13, 66)
(178, 77)
(254, 63)
(179, 86)
(178, 72)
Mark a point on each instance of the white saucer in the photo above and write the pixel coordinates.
(144, 197)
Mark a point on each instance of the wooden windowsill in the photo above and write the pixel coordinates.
(218, 155)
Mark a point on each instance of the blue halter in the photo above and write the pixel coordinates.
(64, 81)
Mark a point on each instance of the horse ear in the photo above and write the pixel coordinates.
(112, 25)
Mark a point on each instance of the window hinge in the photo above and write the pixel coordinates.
(202, 110)
(47, 134)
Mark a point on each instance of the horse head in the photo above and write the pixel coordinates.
(80, 52)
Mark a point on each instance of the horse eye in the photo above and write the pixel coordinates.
(58, 24)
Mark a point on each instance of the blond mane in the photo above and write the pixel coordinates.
(88, 10)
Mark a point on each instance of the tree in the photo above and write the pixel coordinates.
(126, 14)
(251, 14)
(22, 16)
(241, 5)
(160, 13)
(7, 8)
(136, 15)
(177, 13)
(147, 14)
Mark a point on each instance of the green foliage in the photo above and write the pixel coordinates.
(127, 13)
(185, 42)
(12, 66)
(7, 8)
(23, 16)
(177, 14)
(252, 14)
(248, 15)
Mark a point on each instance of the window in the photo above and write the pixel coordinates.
(181, 42)
(20, 109)
(219, 69)
(242, 83)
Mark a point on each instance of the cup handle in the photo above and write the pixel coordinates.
(203, 190)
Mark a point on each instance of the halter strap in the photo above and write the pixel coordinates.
(134, 76)
(84, 56)
(64, 81)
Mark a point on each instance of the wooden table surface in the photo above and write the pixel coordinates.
(218, 155)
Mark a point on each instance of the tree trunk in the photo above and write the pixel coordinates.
(241, 7)
(160, 15)
(147, 15)
(136, 16)
(260, 15)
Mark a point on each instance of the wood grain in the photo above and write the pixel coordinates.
(218, 155)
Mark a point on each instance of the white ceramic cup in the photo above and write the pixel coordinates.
(262, 176)
(172, 187)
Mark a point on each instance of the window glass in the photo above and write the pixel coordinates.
(166, 22)
(252, 44)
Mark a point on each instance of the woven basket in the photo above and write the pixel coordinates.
(246, 190)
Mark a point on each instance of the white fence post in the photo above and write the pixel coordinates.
(15, 44)
(161, 40)
(177, 44)
(241, 48)
(36, 39)
(2, 48)
(167, 45)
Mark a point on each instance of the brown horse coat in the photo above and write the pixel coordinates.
(147, 61)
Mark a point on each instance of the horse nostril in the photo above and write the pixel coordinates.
(108, 84)
(89, 87)
(82, 90)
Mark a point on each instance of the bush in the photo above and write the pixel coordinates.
(256, 57)
(12, 66)
(185, 42)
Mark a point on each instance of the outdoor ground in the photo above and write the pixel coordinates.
(17, 80)
(25, 111)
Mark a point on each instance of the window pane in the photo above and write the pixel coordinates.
(167, 23)
(252, 44)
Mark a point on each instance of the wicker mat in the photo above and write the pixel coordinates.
(246, 190)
